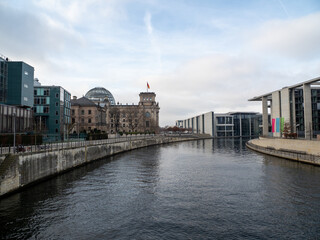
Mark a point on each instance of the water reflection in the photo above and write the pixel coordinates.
(201, 189)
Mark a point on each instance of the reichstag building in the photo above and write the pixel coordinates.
(98, 110)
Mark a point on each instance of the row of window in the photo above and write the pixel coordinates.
(124, 125)
(42, 100)
(124, 120)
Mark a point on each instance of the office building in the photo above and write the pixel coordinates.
(16, 91)
(52, 110)
(20, 84)
(232, 124)
(296, 106)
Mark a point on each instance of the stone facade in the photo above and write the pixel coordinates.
(86, 116)
(140, 118)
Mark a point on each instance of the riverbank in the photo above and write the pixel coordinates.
(21, 170)
(300, 150)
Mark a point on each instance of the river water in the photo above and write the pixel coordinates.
(205, 189)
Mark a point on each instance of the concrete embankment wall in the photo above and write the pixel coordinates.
(20, 170)
(306, 151)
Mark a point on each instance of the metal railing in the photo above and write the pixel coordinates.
(71, 144)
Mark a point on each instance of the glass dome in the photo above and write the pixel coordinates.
(98, 94)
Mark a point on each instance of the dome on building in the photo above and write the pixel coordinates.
(99, 94)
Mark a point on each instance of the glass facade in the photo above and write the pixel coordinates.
(3, 80)
(99, 94)
(299, 111)
(52, 109)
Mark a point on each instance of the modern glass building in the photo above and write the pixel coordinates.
(299, 110)
(232, 124)
(20, 84)
(3, 80)
(247, 123)
(52, 109)
(16, 96)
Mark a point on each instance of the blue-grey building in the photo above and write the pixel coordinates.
(232, 124)
(16, 96)
(52, 109)
(20, 84)
(3, 79)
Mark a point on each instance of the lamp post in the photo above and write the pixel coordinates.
(14, 131)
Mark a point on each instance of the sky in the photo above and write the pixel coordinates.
(197, 56)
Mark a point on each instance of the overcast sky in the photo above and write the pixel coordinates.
(197, 56)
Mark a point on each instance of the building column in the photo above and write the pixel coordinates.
(240, 123)
(293, 113)
(265, 124)
(307, 111)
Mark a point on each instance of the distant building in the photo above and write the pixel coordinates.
(297, 106)
(140, 118)
(232, 124)
(179, 123)
(52, 109)
(86, 116)
(16, 96)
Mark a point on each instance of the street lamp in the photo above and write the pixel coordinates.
(14, 131)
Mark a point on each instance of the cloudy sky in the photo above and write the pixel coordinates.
(198, 56)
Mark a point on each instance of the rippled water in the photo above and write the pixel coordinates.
(206, 189)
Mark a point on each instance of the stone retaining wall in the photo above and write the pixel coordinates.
(18, 171)
(293, 149)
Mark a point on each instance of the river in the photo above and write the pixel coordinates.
(205, 189)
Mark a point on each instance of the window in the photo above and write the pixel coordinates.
(56, 130)
(82, 112)
(25, 85)
(46, 109)
(89, 120)
(72, 111)
(73, 120)
(57, 95)
(25, 99)
(148, 115)
(89, 111)
(26, 73)
(123, 120)
(57, 113)
(57, 121)
(57, 104)
(123, 125)
(111, 125)
(111, 120)
(147, 123)
(221, 120)
(82, 120)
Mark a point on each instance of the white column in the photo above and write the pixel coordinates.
(265, 124)
(307, 111)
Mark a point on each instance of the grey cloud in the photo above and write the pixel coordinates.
(295, 38)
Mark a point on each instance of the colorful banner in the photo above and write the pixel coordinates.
(277, 125)
(273, 125)
(282, 124)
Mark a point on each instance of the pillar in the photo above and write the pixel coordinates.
(307, 111)
(265, 124)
